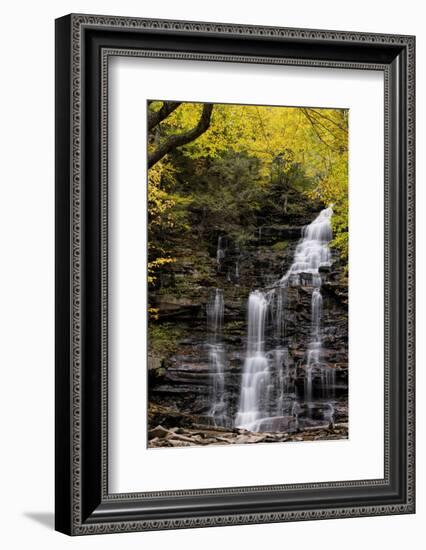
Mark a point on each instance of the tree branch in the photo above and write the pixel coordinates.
(155, 117)
(322, 115)
(181, 139)
(315, 129)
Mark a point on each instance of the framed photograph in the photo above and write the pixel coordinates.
(234, 274)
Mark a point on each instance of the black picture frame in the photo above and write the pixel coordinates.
(83, 45)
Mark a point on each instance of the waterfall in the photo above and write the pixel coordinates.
(215, 314)
(255, 379)
(267, 389)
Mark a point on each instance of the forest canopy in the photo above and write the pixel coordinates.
(221, 168)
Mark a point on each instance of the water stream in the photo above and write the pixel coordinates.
(255, 378)
(216, 352)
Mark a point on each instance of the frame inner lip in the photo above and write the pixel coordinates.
(106, 53)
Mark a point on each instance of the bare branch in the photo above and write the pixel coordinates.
(317, 112)
(315, 129)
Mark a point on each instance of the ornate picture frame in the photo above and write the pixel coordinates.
(84, 44)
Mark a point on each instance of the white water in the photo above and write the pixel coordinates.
(314, 365)
(267, 400)
(255, 379)
(220, 251)
(315, 346)
(312, 252)
(215, 314)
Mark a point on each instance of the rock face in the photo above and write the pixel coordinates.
(180, 379)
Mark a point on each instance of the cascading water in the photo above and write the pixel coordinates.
(268, 400)
(255, 378)
(284, 383)
(215, 314)
(220, 251)
(279, 319)
(311, 253)
(314, 349)
(316, 313)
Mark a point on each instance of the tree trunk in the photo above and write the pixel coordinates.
(178, 140)
(155, 117)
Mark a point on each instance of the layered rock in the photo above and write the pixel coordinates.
(181, 383)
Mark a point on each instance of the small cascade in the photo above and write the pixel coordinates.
(215, 315)
(316, 313)
(268, 400)
(237, 263)
(228, 258)
(314, 364)
(285, 385)
(329, 413)
(314, 349)
(237, 269)
(220, 251)
(279, 296)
